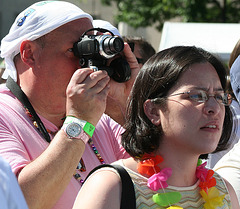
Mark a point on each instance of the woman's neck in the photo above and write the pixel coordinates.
(182, 162)
(183, 170)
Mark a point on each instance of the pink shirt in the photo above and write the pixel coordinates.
(21, 143)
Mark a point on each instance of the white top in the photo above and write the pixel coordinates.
(228, 167)
(11, 196)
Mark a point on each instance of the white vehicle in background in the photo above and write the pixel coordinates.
(217, 38)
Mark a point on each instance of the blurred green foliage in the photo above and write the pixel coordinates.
(143, 13)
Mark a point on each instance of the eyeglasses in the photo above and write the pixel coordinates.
(202, 96)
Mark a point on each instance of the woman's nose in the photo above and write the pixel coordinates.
(212, 106)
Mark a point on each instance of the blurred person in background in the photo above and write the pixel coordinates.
(141, 48)
(215, 157)
(228, 165)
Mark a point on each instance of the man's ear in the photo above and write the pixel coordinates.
(152, 112)
(26, 51)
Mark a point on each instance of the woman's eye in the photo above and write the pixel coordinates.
(196, 96)
(219, 97)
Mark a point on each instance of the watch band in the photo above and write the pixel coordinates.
(67, 128)
(86, 126)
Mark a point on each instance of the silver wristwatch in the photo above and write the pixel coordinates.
(73, 127)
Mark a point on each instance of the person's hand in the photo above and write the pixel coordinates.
(119, 92)
(86, 94)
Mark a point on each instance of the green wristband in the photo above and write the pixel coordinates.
(86, 126)
(89, 129)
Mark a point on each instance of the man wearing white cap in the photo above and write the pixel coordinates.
(50, 106)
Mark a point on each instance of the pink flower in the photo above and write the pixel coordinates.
(158, 181)
(201, 172)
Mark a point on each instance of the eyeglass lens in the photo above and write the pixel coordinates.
(202, 96)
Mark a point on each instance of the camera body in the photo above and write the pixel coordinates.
(96, 50)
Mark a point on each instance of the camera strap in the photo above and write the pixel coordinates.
(21, 96)
(102, 30)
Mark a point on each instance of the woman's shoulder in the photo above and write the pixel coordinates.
(103, 183)
(225, 189)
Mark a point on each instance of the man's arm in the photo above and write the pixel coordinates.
(44, 179)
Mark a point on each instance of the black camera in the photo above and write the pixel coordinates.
(96, 50)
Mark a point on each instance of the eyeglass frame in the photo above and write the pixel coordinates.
(227, 96)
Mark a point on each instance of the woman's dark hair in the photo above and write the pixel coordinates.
(158, 75)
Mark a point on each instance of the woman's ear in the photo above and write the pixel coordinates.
(152, 112)
(26, 51)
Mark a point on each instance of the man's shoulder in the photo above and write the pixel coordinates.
(108, 120)
(108, 124)
(10, 108)
(5, 93)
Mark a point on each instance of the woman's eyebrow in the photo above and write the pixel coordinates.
(205, 89)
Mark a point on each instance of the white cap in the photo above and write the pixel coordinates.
(34, 22)
(106, 25)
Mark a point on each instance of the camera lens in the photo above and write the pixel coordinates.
(113, 45)
(117, 44)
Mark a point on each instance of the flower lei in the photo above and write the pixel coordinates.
(157, 180)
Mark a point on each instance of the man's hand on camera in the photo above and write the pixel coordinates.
(86, 94)
(119, 92)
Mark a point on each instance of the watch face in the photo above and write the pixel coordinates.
(73, 129)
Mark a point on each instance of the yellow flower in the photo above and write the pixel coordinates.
(212, 199)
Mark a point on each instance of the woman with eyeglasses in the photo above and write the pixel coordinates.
(178, 113)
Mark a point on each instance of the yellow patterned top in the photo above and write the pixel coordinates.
(190, 195)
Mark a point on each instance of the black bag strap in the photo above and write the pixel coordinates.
(128, 199)
(21, 96)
